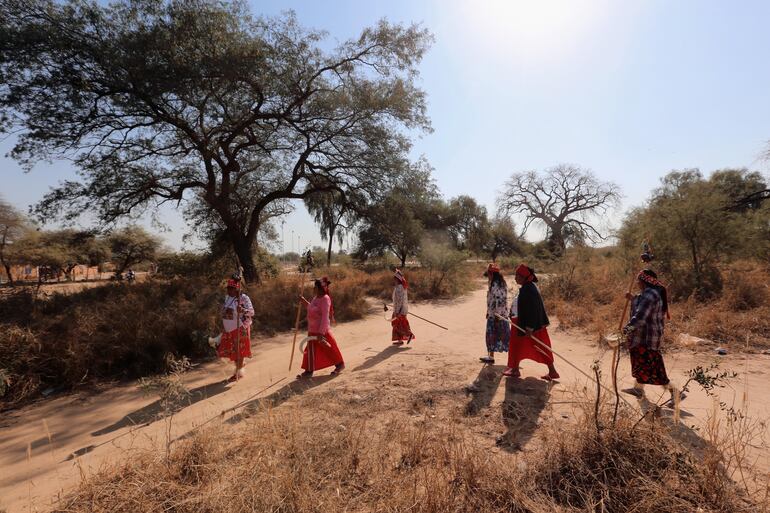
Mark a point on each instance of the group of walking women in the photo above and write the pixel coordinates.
(321, 350)
(519, 328)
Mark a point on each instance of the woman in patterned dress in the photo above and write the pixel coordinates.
(498, 330)
(398, 320)
(644, 333)
(235, 342)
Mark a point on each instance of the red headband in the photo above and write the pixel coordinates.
(400, 277)
(525, 272)
(234, 284)
(493, 268)
(649, 280)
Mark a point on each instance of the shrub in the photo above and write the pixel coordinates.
(108, 332)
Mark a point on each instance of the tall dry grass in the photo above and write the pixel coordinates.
(327, 454)
(588, 293)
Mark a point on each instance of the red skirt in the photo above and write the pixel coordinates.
(401, 329)
(227, 347)
(322, 355)
(522, 347)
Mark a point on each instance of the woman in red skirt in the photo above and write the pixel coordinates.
(235, 341)
(529, 314)
(398, 320)
(321, 351)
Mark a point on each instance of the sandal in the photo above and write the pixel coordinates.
(634, 392)
(398, 343)
(487, 359)
(670, 402)
(510, 373)
(338, 369)
(550, 377)
(305, 375)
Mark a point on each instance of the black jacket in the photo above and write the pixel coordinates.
(531, 310)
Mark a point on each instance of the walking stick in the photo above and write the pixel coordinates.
(421, 318)
(238, 361)
(296, 322)
(544, 347)
(616, 352)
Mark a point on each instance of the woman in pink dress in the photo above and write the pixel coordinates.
(321, 350)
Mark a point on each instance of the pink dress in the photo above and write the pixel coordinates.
(318, 354)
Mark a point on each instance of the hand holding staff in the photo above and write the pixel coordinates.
(545, 349)
(385, 307)
(296, 321)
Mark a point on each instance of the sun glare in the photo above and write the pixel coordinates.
(531, 26)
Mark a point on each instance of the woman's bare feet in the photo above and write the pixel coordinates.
(511, 373)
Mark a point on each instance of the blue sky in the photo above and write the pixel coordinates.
(627, 89)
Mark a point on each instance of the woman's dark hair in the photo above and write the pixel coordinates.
(318, 285)
(661, 290)
(497, 278)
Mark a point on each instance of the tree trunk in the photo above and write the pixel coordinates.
(556, 243)
(246, 259)
(331, 241)
(8, 273)
(403, 260)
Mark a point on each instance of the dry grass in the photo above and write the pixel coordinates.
(398, 445)
(588, 294)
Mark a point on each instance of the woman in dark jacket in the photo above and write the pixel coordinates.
(531, 317)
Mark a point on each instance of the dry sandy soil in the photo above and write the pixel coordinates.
(37, 443)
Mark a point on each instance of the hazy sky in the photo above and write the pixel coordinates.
(627, 89)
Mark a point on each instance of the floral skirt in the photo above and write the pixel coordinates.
(227, 347)
(498, 335)
(401, 329)
(647, 366)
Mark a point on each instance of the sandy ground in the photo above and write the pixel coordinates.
(37, 443)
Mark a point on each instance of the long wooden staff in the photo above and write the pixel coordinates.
(544, 347)
(296, 320)
(616, 351)
(421, 318)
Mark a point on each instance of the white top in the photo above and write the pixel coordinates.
(400, 301)
(229, 322)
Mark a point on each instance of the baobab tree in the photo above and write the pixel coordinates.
(159, 101)
(565, 199)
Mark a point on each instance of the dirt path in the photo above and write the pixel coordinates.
(36, 442)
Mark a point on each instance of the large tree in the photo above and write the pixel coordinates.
(499, 238)
(467, 223)
(566, 199)
(399, 222)
(13, 226)
(692, 228)
(173, 101)
(132, 245)
(334, 212)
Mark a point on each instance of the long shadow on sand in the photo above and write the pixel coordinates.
(483, 389)
(524, 400)
(278, 397)
(155, 410)
(381, 357)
